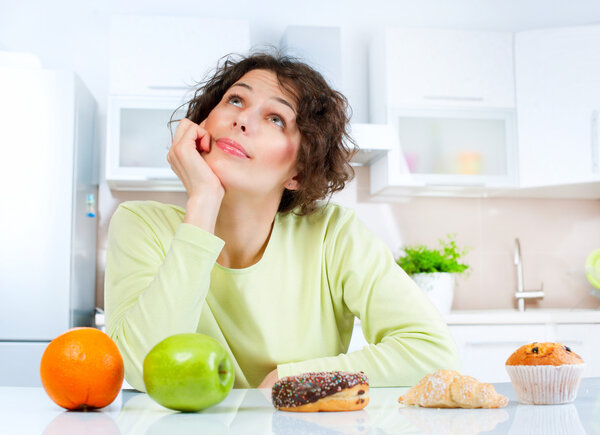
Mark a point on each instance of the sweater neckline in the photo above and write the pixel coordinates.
(266, 253)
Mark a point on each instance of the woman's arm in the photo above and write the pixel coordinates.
(155, 283)
(153, 290)
(407, 336)
(204, 189)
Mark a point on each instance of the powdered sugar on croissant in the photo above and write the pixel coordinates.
(450, 389)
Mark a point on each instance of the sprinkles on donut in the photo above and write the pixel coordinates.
(321, 391)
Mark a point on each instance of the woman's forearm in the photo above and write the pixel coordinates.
(400, 359)
(154, 291)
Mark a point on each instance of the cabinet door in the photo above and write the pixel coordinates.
(138, 139)
(468, 152)
(446, 67)
(450, 96)
(469, 146)
(168, 55)
(558, 98)
(582, 339)
(358, 340)
(485, 348)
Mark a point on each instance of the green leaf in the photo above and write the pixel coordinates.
(420, 259)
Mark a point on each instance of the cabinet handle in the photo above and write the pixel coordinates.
(452, 98)
(594, 141)
(456, 184)
(162, 178)
(514, 344)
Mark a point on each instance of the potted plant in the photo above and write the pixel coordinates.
(434, 270)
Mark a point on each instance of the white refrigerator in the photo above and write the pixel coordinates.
(47, 215)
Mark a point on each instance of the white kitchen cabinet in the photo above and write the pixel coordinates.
(463, 152)
(485, 348)
(440, 68)
(156, 63)
(558, 99)
(162, 55)
(321, 48)
(485, 339)
(138, 139)
(583, 339)
(450, 97)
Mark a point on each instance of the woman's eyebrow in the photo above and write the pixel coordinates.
(281, 100)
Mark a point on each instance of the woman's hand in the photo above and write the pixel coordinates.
(204, 189)
(269, 380)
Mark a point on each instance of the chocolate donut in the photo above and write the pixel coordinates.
(322, 391)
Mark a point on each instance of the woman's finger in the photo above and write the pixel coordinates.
(184, 149)
(184, 125)
(204, 140)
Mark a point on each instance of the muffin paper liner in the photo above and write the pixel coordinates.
(545, 385)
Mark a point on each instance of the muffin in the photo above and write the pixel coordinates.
(545, 373)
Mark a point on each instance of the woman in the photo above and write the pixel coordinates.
(256, 260)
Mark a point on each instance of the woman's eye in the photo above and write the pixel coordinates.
(277, 120)
(236, 101)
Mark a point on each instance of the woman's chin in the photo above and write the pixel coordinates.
(238, 182)
(219, 166)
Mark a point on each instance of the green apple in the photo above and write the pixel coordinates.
(188, 372)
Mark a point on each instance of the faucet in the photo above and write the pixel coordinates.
(521, 293)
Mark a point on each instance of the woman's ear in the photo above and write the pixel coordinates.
(293, 183)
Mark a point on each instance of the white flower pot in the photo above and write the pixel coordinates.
(439, 288)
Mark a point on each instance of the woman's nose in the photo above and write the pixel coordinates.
(245, 119)
(241, 125)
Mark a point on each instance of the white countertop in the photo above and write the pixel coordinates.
(29, 411)
(504, 317)
(514, 317)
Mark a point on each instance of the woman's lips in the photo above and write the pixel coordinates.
(232, 147)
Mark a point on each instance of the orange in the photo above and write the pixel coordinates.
(82, 368)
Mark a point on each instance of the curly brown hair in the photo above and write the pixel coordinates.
(323, 115)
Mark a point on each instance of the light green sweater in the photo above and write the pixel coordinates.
(293, 310)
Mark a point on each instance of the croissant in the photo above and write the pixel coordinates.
(450, 389)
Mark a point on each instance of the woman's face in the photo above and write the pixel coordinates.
(254, 136)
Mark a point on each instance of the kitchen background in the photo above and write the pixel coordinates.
(556, 234)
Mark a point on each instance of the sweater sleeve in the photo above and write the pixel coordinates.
(407, 336)
(155, 283)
